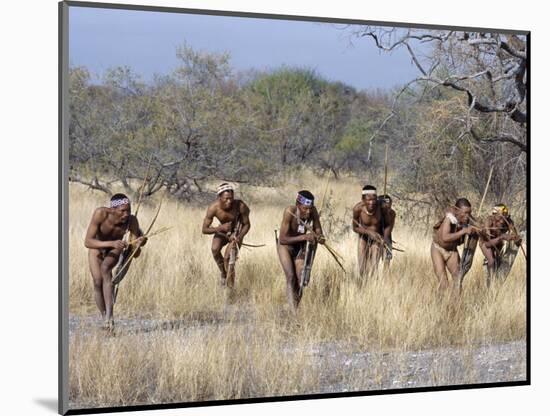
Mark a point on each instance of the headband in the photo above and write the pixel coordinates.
(224, 187)
(118, 202)
(368, 192)
(501, 209)
(304, 201)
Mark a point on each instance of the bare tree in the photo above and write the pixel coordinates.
(490, 69)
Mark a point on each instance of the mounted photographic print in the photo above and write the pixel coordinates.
(266, 207)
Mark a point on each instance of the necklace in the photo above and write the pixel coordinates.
(368, 213)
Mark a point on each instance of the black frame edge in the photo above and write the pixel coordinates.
(63, 201)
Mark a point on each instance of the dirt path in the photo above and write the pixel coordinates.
(380, 370)
(347, 368)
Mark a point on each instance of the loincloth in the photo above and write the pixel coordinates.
(297, 251)
(366, 238)
(370, 241)
(110, 252)
(103, 252)
(444, 252)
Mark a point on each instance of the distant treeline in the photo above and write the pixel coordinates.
(206, 121)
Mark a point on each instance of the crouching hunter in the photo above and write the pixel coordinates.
(300, 228)
(233, 215)
(104, 240)
(373, 225)
(448, 234)
(499, 244)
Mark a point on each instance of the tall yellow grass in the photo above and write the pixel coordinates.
(248, 344)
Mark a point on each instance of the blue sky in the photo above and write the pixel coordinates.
(147, 42)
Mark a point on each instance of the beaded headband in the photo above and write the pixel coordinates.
(303, 200)
(118, 202)
(224, 187)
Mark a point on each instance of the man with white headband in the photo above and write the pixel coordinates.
(373, 225)
(300, 225)
(499, 244)
(104, 240)
(233, 216)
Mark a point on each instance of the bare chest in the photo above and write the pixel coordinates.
(227, 216)
(373, 220)
(110, 231)
(298, 227)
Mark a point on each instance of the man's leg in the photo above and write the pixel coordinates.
(453, 264)
(373, 259)
(107, 265)
(299, 263)
(362, 255)
(288, 265)
(94, 259)
(229, 258)
(498, 256)
(439, 268)
(217, 245)
(488, 253)
(387, 256)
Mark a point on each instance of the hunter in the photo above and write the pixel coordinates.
(299, 227)
(373, 225)
(498, 236)
(448, 234)
(386, 204)
(105, 243)
(233, 216)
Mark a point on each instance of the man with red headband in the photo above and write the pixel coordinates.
(300, 225)
(373, 225)
(105, 243)
(233, 216)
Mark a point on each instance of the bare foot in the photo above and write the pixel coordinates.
(109, 325)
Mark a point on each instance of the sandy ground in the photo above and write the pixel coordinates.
(344, 367)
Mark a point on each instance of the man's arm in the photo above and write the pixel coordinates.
(284, 237)
(362, 230)
(245, 221)
(134, 229)
(448, 237)
(494, 242)
(90, 241)
(389, 221)
(356, 221)
(514, 232)
(317, 226)
(488, 241)
(207, 223)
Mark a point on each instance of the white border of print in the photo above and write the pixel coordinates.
(29, 153)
